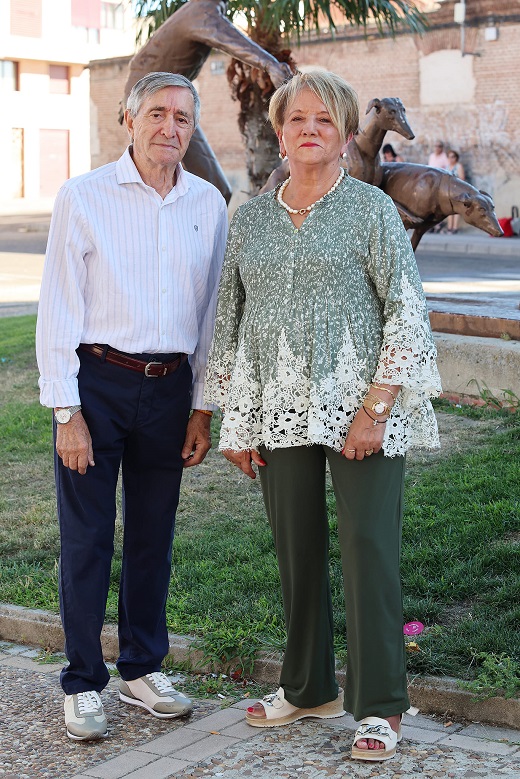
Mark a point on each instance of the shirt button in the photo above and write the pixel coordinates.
(163, 291)
(163, 248)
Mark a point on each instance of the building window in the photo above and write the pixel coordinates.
(16, 163)
(9, 76)
(86, 13)
(112, 16)
(86, 16)
(217, 67)
(59, 81)
(87, 34)
(26, 18)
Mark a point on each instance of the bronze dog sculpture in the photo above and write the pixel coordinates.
(362, 155)
(424, 196)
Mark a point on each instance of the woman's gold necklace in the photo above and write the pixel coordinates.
(302, 211)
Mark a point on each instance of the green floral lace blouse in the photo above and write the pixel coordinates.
(307, 318)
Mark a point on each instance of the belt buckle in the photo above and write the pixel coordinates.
(156, 375)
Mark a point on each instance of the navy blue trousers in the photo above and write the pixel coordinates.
(138, 425)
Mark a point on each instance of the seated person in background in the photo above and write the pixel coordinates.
(438, 158)
(389, 154)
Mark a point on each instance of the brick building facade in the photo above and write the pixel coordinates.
(470, 101)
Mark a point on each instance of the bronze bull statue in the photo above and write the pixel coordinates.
(424, 196)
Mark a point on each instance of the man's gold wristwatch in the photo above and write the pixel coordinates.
(64, 415)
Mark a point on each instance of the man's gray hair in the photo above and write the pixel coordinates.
(152, 83)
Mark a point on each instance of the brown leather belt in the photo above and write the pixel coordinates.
(151, 369)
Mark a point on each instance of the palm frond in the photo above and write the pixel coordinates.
(301, 16)
(296, 16)
(150, 14)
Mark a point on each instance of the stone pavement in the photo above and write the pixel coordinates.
(215, 741)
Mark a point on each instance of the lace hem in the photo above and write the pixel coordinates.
(293, 411)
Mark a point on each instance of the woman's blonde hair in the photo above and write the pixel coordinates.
(334, 92)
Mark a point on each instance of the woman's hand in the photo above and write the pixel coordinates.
(364, 438)
(244, 460)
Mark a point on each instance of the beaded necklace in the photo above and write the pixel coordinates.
(303, 211)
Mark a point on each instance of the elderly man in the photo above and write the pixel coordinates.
(125, 321)
(182, 45)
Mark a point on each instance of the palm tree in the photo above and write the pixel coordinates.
(275, 25)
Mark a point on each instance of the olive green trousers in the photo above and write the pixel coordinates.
(369, 509)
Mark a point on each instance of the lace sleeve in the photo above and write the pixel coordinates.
(408, 354)
(231, 297)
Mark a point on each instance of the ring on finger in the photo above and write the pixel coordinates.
(368, 452)
(349, 450)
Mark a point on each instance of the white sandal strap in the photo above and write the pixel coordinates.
(275, 705)
(378, 729)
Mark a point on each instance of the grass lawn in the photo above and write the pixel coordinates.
(461, 550)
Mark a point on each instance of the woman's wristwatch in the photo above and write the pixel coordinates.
(376, 406)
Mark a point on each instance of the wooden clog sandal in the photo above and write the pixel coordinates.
(379, 730)
(278, 711)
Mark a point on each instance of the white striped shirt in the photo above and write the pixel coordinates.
(126, 268)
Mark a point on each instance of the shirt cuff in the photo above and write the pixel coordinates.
(197, 398)
(59, 394)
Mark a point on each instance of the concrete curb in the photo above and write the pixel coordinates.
(431, 695)
(492, 362)
(470, 243)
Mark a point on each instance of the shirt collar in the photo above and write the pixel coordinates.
(127, 173)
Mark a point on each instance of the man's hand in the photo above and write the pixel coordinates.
(244, 460)
(198, 439)
(74, 444)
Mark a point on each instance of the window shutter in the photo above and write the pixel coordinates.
(86, 13)
(26, 18)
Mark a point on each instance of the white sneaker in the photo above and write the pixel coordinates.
(155, 693)
(84, 716)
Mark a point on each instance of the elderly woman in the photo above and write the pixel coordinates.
(323, 352)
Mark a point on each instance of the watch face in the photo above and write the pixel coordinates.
(379, 408)
(62, 416)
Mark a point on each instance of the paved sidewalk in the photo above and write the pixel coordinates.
(216, 742)
(470, 241)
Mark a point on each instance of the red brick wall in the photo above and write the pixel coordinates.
(107, 138)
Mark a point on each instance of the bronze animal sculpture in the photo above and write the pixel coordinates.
(424, 196)
(362, 154)
(182, 45)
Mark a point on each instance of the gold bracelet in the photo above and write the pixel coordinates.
(203, 411)
(384, 389)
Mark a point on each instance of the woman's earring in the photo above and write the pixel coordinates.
(344, 155)
(282, 156)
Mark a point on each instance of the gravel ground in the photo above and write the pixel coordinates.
(33, 742)
(34, 745)
(317, 750)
